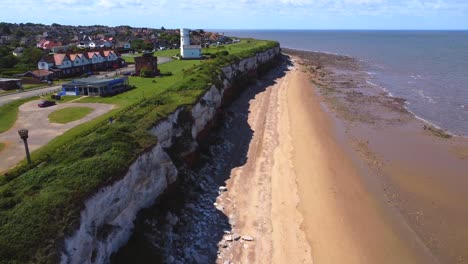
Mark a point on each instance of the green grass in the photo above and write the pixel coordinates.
(9, 113)
(145, 86)
(2, 146)
(40, 204)
(69, 114)
(25, 87)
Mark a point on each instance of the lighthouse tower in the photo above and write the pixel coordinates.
(188, 51)
(184, 37)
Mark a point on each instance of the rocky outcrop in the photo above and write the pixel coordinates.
(107, 220)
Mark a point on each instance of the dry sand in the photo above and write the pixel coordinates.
(318, 187)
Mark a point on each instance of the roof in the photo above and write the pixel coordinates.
(59, 58)
(92, 53)
(18, 50)
(95, 81)
(107, 52)
(9, 80)
(73, 56)
(41, 73)
(192, 47)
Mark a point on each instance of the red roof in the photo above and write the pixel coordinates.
(58, 58)
(74, 56)
(41, 73)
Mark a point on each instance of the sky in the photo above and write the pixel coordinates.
(243, 14)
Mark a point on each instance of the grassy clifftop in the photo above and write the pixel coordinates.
(40, 205)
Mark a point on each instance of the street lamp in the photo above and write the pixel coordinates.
(24, 136)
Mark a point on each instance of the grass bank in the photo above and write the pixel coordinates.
(2, 146)
(41, 204)
(9, 113)
(69, 114)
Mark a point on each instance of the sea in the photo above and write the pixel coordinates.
(427, 68)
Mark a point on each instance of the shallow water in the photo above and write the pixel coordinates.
(427, 68)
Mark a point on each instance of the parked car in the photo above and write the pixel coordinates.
(46, 103)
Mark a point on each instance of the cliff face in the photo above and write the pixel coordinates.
(107, 220)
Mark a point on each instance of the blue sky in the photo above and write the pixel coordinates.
(244, 14)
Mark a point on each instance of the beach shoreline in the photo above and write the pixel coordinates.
(417, 171)
(338, 172)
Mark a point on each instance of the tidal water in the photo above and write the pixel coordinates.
(427, 68)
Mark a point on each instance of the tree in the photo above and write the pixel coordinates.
(5, 28)
(30, 57)
(8, 61)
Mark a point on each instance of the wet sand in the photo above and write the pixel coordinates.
(337, 174)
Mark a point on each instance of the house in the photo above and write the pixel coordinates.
(10, 84)
(96, 87)
(123, 45)
(47, 44)
(70, 64)
(147, 63)
(42, 75)
(188, 51)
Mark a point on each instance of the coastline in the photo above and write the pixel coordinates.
(317, 171)
(359, 64)
(338, 174)
(416, 171)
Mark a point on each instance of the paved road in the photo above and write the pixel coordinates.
(11, 97)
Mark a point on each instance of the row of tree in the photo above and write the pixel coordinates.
(28, 60)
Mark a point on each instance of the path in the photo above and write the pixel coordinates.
(41, 131)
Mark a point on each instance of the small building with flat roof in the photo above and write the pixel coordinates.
(10, 84)
(93, 86)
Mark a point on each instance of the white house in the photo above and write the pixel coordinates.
(188, 51)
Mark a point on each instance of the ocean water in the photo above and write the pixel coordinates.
(427, 68)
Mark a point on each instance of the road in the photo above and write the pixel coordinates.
(36, 92)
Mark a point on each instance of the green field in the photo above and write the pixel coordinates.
(69, 114)
(231, 48)
(41, 203)
(9, 113)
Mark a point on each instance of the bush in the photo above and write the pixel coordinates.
(146, 73)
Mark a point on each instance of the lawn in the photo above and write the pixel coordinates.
(69, 114)
(25, 87)
(9, 113)
(147, 87)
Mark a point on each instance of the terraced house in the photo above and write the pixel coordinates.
(72, 64)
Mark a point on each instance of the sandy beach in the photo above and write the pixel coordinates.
(337, 174)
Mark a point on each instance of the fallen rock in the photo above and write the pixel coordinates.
(228, 238)
(223, 189)
(236, 237)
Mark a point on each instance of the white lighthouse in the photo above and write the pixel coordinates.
(188, 51)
